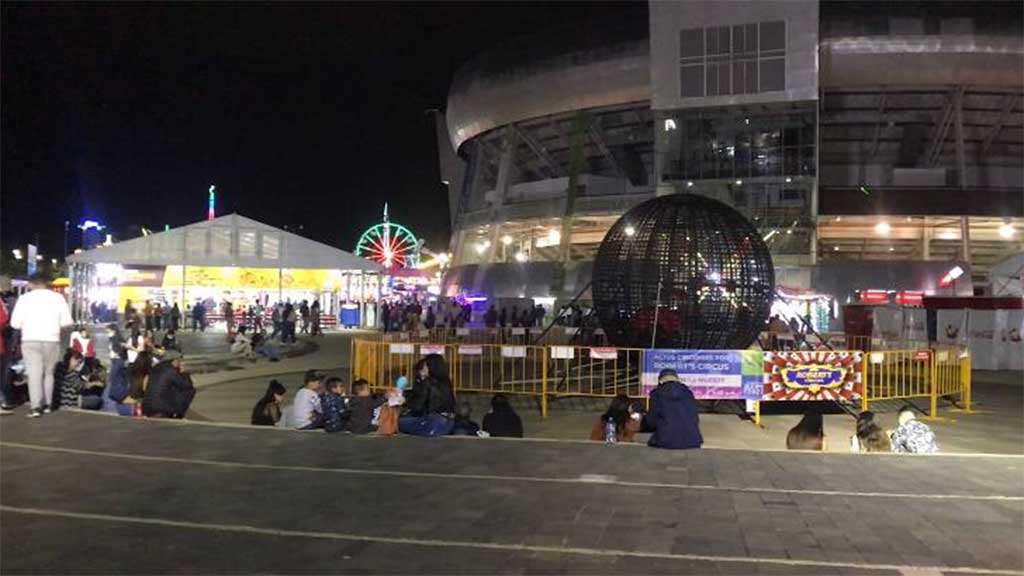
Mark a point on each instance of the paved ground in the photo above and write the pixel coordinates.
(87, 493)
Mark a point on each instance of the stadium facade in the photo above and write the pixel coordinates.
(874, 145)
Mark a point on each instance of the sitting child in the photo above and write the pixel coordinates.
(385, 417)
(464, 425)
(362, 407)
(335, 406)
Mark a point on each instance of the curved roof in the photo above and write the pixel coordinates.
(544, 75)
(230, 240)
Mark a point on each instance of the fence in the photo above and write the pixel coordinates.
(547, 372)
(557, 335)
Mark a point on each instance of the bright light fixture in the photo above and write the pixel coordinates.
(53, 261)
(39, 257)
(835, 248)
(506, 239)
(629, 230)
(739, 182)
(788, 180)
(520, 256)
(883, 228)
(689, 184)
(1006, 230)
(480, 248)
(670, 124)
(554, 236)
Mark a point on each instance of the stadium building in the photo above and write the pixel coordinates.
(876, 145)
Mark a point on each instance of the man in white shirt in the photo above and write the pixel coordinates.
(40, 315)
(306, 410)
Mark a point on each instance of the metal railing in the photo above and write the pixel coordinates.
(548, 372)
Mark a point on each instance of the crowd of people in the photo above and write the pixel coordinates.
(910, 436)
(427, 407)
(141, 375)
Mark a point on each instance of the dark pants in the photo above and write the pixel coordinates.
(431, 425)
(6, 389)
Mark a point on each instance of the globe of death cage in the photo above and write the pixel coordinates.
(689, 263)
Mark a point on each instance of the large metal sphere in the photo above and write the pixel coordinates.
(715, 272)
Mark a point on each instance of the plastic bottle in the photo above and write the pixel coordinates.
(609, 431)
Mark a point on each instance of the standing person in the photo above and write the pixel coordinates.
(40, 315)
(673, 419)
(431, 320)
(291, 317)
(6, 390)
(147, 313)
(267, 411)
(229, 316)
(275, 319)
(197, 317)
(385, 316)
(169, 392)
(158, 316)
(502, 421)
(304, 314)
(491, 317)
(503, 317)
(314, 317)
(175, 317)
(911, 436)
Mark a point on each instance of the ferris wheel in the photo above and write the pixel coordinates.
(390, 244)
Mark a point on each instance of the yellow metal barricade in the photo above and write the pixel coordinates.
(896, 374)
(594, 371)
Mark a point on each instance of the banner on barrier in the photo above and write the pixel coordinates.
(822, 375)
(471, 350)
(432, 349)
(402, 349)
(604, 353)
(513, 351)
(462, 331)
(709, 374)
(563, 352)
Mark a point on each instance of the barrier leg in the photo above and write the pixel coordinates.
(544, 386)
(757, 412)
(865, 382)
(933, 396)
(965, 382)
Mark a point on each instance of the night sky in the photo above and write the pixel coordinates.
(307, 115)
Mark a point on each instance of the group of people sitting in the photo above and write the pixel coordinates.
(427, 408)
(911, 436)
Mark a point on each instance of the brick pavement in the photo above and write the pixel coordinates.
(475, 505)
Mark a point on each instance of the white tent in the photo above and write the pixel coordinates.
(230, 240)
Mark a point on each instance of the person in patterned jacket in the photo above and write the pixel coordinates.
(912, 436)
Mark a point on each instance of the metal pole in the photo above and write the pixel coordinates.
(657, 305)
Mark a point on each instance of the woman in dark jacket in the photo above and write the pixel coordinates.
(431, 402)
(267, 411)
(503, 422)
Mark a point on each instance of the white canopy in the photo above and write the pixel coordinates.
(230, 240)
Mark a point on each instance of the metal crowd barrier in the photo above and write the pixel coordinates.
(546, 372)
(522, 336)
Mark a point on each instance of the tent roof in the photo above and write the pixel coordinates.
(230, 240)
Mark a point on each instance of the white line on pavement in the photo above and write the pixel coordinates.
(245, 529)
(497, 478)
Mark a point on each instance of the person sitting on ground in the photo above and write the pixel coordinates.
(334, 405)
(464, 425)
(306, 409)
(362, 407)
(869, 436)
(912, 436)
(808, 434)
(673, 420)
(385, 417)
(170, 340)
(241, 345)
(267, 411)
(502, 421)
(431, 402)
(626, 421)
(263, 346)
(69, 377)
(170, 390)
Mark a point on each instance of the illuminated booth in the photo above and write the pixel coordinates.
(230, 258)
